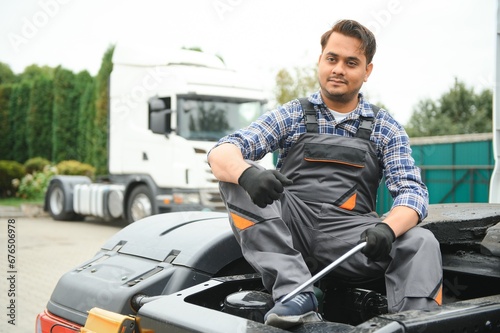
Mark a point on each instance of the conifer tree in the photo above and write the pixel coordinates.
(18, 111)
(39, 119)
(5, 123)
(101, 115)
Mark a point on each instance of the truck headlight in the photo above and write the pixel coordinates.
(186, 198)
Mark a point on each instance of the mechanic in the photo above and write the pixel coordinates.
(334, 148)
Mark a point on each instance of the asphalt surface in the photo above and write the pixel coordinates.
(44, 250)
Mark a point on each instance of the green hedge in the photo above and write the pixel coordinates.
(9, 170)
(39, 119)
(75, 168)
(36, 164)
(55, 114)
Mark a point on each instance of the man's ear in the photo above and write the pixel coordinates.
(369, 69)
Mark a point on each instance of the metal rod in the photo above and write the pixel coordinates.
(323, 272)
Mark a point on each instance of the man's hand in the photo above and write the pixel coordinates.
(378, 240)
(263, 186)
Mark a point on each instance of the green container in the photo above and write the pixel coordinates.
(455, 168)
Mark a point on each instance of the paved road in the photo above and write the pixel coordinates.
(45, 249)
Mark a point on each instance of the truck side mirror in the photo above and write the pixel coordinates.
(160, 116)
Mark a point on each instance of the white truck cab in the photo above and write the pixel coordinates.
(167, 109)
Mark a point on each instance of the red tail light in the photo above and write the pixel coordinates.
(49, 323)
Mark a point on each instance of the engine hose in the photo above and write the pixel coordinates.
(139, 300)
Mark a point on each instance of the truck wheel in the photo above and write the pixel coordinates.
(56, 202)
(140, 203)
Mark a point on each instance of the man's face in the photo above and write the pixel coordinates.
(342, 69)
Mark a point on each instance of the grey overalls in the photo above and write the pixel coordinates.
(322, 215)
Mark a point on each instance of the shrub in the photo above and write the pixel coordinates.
(36, 164)
(33, 186)
(72, 167)
(9, 170)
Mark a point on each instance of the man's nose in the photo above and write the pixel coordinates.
(339, 68)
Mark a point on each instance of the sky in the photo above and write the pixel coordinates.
(422, 45)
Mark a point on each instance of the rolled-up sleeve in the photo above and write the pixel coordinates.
(261, 136)
(403, 178)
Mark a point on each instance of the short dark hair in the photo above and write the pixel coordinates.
(354, 29)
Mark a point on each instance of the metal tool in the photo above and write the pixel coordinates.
(323, 272)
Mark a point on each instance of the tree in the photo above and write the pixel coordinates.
(33, 72)
(83, 82)
(7, 140)
(458, 111)
(6, 74)
(68, 90)
(18, 112)
(100, 161)
(64, 116)
(300, 82)
(86, 124)
(39, 119)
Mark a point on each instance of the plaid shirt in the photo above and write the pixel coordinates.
(280, 129)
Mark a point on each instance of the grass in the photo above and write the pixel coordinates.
(17, 202)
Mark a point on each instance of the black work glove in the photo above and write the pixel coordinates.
(378, 240)
(263, 186)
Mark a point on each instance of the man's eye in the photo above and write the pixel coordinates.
(352, 63)
(330, 59)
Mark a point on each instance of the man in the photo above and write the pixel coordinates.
(320, 202)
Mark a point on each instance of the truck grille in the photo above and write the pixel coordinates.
(211, 198)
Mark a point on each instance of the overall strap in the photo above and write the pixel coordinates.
(310, 114)
(366, 123)
(365, 126)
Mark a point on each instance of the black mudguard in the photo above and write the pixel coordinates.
(158, 255)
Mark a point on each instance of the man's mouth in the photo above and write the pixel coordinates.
(337, 80)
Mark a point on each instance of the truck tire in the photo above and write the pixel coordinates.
(140, 204)
(56, 202)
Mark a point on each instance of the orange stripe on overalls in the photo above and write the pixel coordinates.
(439, 296)
(241, 222)
(350, 203)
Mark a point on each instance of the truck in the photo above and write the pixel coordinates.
(184, 272)
(168, 107)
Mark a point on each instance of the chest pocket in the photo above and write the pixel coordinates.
(338, 154)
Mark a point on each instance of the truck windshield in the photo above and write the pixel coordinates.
(209, 119)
